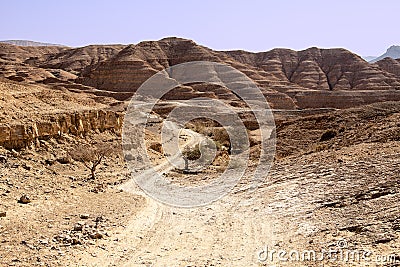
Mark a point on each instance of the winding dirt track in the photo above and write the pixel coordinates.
(291, 209)
(228, 232)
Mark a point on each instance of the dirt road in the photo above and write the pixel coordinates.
(292, 209)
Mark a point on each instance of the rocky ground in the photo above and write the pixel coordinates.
(334, 184)
(339, 189)
(52, 207)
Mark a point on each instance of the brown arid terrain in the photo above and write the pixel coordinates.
(334, 180)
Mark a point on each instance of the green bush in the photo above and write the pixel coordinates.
(192, 153)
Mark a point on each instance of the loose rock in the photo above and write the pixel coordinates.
(3, 159)
(24, 199)
(84, 216)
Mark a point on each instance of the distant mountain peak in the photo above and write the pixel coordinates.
(28, 43)
(393, 48)
(392, 52)
(173, 38)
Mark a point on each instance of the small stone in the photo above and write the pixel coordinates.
(27, 167)
(76, 241)
(49, 161)
(14, 153)
(44, 242)
(30, 246)
(24, 199)
(96, 235)
(67, 239)
(3, 159)
(64, 160)
(78, 226)
(84, 216)
(99, 219)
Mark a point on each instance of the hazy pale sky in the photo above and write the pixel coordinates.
(364, 27)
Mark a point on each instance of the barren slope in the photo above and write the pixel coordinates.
(312, 78)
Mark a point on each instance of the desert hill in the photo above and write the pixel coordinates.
(390, 65)
(335, 174)
(312, 78)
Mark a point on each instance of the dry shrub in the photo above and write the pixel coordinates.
(91, 155)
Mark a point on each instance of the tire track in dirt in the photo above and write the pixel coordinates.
(227, 232)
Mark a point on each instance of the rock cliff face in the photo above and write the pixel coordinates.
(21, 135)
(31, 112)
(320, 69)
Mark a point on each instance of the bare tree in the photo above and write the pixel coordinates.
(91, 155)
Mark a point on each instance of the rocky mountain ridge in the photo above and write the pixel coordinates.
(312, 78)
(27, 43)
(391, 52)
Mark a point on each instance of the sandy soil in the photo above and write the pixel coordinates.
(308, 201)
(289, 211)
